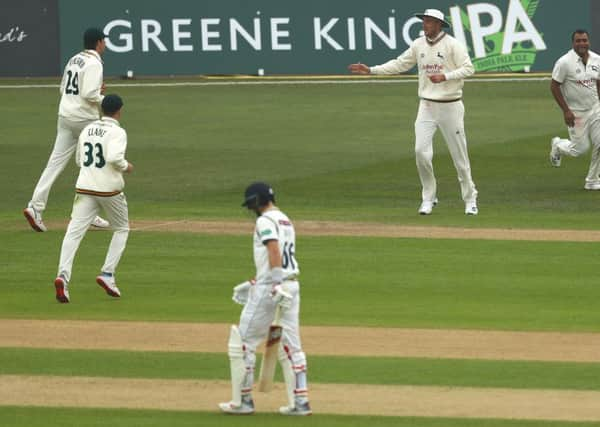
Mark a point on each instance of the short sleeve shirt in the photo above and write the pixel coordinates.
(274, 225)
(578, 81)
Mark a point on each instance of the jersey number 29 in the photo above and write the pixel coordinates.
(72, 87)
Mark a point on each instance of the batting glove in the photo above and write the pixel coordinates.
(241, 291)
(281, 297)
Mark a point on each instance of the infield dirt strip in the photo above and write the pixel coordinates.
(345, 399)
(359, 229)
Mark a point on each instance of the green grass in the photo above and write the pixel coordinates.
(342, 152)
(332, 152)
(341, 370)
(66, 417)
(346, 281)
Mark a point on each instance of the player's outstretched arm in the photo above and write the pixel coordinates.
(359, 68)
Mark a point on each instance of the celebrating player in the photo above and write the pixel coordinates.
(81, 95)
(442, 63)
(576, 88)
(276, 284)
(101, 156)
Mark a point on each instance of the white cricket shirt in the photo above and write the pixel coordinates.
(80, 87)
(445, 56)
(101, 156)
(274, 225)
(577, 80)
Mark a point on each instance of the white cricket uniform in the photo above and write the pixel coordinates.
(578, 85)
(440, 107)
(79, 106)
(259, 311)
(101, 157)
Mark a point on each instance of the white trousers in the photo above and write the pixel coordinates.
(85, 209)
(258, 314)
(449, 118)
(585, 131)
(67, 133)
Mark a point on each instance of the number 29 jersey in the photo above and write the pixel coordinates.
(81, 86)
(100, 154)
(275, 225)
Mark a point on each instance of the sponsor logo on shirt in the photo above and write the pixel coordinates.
(265, 232)
(589, 83)
(432, 68)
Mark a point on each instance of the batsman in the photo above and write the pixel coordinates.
(273, 296)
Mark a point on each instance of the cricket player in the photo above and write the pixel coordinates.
(443, 63)
(100, 155)
(81, 91)
(276, 283)
(576, 88)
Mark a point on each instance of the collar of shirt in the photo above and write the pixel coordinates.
(436, 39)
(96, 54)
(578, 58)
(111, 120)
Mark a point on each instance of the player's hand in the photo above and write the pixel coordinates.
(129, 168)
(437, 78)
(102, 89)
(570, 118)
(359, 68)
(281, 297)
(241, 292)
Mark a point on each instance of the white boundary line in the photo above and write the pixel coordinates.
(281, 82)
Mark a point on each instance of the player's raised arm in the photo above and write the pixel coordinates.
(359, 68)
(399, 65)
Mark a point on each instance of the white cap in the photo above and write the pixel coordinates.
(433, 13)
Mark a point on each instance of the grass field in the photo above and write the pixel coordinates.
(332, 152)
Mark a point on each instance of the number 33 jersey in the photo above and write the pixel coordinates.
(101, 156)
(275, 225)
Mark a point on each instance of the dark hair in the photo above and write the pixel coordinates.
(579, 31)
(111, 104)
(91, 37)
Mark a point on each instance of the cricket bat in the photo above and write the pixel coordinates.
(269, 359)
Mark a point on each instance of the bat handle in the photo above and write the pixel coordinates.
(278, 314)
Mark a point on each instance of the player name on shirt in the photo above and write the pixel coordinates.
(94, 131)
(77, 60)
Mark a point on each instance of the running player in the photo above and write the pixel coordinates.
(576, 88)
(101, 157)
(81, 95)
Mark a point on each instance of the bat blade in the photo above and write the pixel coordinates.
(269, 360)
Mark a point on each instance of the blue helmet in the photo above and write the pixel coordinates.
(258, 194)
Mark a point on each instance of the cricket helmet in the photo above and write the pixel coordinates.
(258, 194)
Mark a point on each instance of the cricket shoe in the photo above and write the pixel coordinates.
(471, 208)
(555, 152)
(107, 281)
(300, 408)
(100, 223)
(246, 408)
(62, 289)
(592, 185)
(427, 206)
(34, 218)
